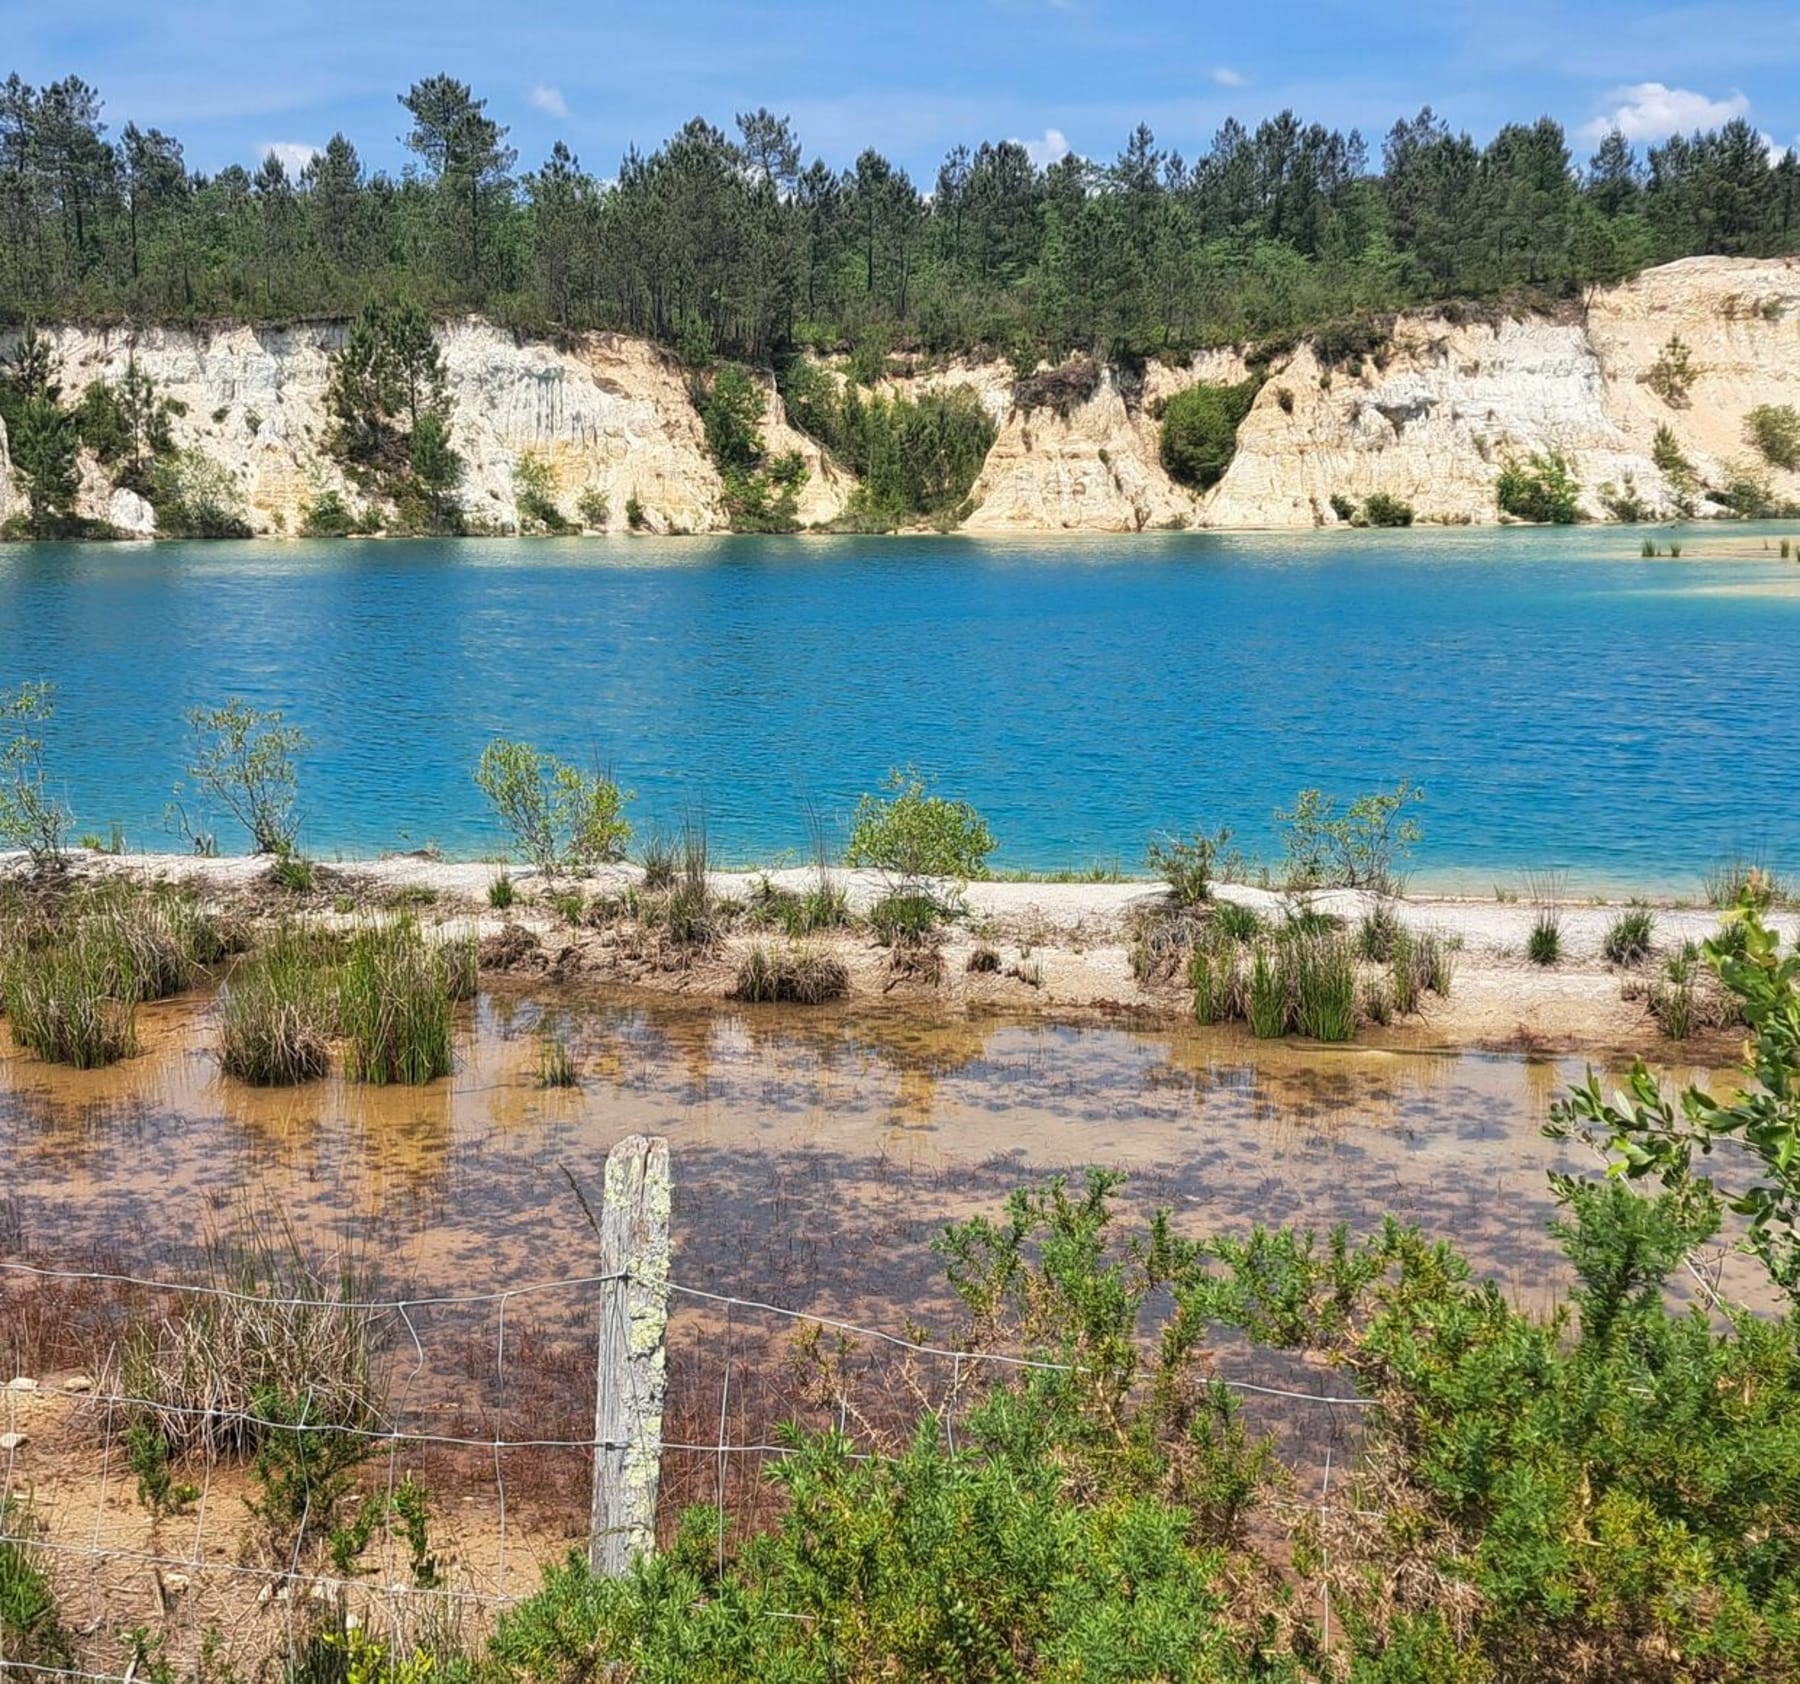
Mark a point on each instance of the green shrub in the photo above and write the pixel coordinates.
(1542, 488)
(31, 818)
(1199, 431)
(1774, 430)
(244, 758)
(534, 496)
(915, 458)
(913, 837)
(635, 516)
(1671, 376)
(1629, 935)
(1187, 864)
(1667, 454)
(331, 515)
(901, 919)
(195, 497)
(1543, 946)
(1364, 847)
(560, 818)
(1380, 509)
(594, 507)
(1321, 974)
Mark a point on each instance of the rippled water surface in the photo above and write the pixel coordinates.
(1564, 702)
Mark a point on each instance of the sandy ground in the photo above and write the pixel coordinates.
(1062, 947)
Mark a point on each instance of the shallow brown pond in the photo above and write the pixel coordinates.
(815, 1154)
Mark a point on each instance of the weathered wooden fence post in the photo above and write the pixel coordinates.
(633, 1375)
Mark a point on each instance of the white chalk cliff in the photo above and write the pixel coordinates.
(1450, 402)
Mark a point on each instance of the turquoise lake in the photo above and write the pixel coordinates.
(1564, 703)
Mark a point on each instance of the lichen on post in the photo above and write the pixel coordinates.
(633, 1361)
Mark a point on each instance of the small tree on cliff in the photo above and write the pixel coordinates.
(390, 408)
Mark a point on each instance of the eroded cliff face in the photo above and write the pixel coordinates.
(1433, 424)
(609, 414)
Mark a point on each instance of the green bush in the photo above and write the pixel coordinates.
(330, 515)
(244, 758)
(915, 458)
(1199, 431)
(195, 497)
(31, 818)
(534, 496)
(1543, 946)
(1380, 509)
(913, 837)
(1187, 864)
(1542, 488)
(1363, 847)
(594, 507)
(277, 1010)
(1774, 430)
(559, 817)
(794, 974)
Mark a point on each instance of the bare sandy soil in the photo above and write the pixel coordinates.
(1061, 947)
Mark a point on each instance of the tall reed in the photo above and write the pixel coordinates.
(395, 1003)
(278, 1010)
(69, 1002)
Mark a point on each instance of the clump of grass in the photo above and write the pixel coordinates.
(1217, 976)
(32, 1632)
(293, 873)
(1237, 922)
(659, 863)
(794, 974)
(1267, 1000)
(1544, 944)
(1377, 1002)
(502, 892)
(1728, 881)
(395, 997)
(1628, 936)
(271, 1323)
(1377, 934)
(984, 961)
(1321, 975)
(556, 1064)
(69, 1002)
(1305, 920)
(693, 917)
(276, 1012)
(903, 920)
(824, 906)
(159, 940)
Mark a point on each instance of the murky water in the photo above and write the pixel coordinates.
(815, 1155)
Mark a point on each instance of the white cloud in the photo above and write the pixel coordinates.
(1226, 77)
(1651, 111)
(1052, 149)
(295, 155)
(549, 99)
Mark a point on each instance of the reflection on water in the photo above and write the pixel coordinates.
(816, 1155)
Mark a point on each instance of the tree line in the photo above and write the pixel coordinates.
(735, 245)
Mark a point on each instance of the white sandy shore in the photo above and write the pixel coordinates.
(1063, 946)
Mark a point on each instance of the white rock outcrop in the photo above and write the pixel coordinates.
(1432, 425)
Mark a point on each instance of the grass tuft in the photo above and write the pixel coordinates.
(794, 974)
(1628, 936)
(276, 1010)
(396, 996)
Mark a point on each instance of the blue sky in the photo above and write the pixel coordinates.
(234, 77)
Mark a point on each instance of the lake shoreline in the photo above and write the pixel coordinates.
(1052, 949)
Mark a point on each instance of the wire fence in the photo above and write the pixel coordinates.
(486, 1400)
